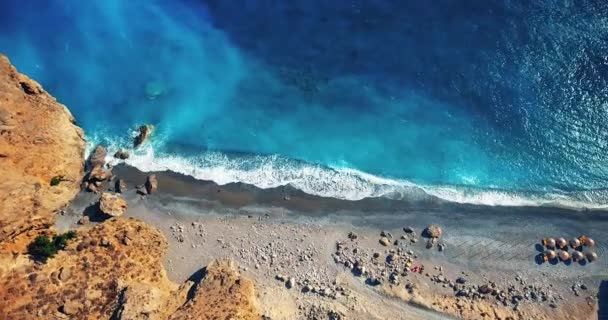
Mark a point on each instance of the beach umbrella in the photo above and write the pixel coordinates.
(577, 255)
(549, 255)
(549, 243)
(561, 243)
(575, 243)
(591, 256)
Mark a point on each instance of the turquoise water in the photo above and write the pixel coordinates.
(489, 102)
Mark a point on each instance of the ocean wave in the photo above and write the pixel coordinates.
(271, 171)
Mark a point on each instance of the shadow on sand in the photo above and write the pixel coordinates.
(602, 298)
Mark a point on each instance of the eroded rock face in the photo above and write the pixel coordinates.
(38, 141)
(112, 204)
(223, 294)
(99, 273)
(110, 270)
(98, 157)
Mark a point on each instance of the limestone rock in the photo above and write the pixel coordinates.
(432, 231)
(98, 173)
(43, 143)
(142, 301)
(112, 204)
(144, 133)
(384, 241)
(71, 307)
(98, 157)
(222, 294)
(151, 184)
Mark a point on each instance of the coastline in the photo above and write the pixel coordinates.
(204, 221)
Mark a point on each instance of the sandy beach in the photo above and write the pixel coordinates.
(323, 244)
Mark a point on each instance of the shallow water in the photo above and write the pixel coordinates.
(491, 102)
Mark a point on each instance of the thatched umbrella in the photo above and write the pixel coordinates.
(549, 255)
(561, 243)
(577, 255)
(591, 256)
(549, 243)
(564, 255)
(575, 243)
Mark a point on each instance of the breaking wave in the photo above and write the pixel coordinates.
(271, 171)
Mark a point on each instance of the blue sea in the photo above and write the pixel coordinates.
(478, 101)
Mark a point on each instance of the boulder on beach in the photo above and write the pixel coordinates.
(121, 186)
(432, 231)
(112, 204)
(98, 173)
(98, 157)
(151, 184)
(144, 133)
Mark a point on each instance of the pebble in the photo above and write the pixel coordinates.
(384, 241)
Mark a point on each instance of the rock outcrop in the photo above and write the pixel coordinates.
(143, 135)
(223, 294)
(38, 141)
(112, 204)
(112, 270)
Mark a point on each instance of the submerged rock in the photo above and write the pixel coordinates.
(143, 135)
(112, 204)
(122, 154)
(154, 89)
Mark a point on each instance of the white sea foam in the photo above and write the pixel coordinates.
(264, 171)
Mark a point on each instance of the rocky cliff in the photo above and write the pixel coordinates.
(38, 141)
(111, 270)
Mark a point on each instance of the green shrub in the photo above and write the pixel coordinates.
(43, 248)
(56, 180)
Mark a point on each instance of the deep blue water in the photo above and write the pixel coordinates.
(495, 102)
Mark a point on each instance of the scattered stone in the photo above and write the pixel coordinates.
(441, 246)
(291, 283)
(386, 234)
(84, 220)
(121, 186)
(279, 277)
(409, 230)
(151, 184)
(122, 154)
(384, 241)
(352, 235)
(112, 204)
(64, 273)
(144, 134)
(430, 243)
(432, 231)
(461, 280)
(485, 289)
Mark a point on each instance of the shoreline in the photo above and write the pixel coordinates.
(204, 221)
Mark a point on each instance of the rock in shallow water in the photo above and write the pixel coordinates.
(143, 135)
